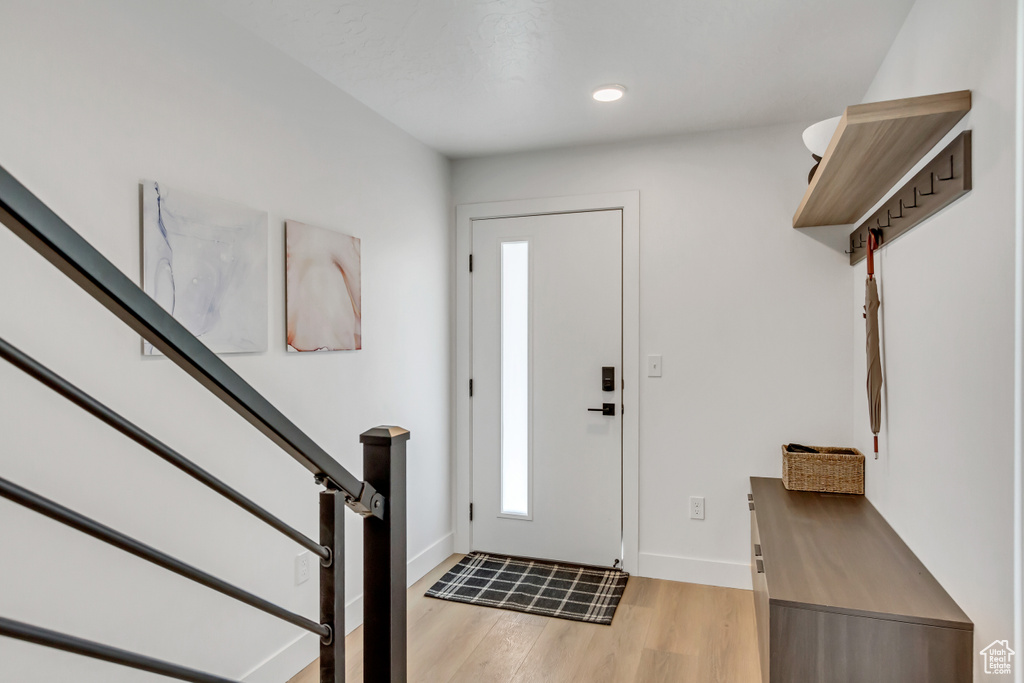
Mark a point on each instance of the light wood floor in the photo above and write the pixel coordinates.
(662, 631)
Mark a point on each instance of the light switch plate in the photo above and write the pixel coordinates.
(654, 366)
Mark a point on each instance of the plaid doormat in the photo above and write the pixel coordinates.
(565, 591)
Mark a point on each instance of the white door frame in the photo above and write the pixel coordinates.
(465, 214)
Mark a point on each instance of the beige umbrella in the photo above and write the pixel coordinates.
(874, 357)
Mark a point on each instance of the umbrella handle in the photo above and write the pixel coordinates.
(872, 245)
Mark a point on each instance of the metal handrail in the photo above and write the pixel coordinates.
(43, 230)
(45, 376)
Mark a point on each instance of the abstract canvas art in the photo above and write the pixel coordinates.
(205, 262)
(323, 291)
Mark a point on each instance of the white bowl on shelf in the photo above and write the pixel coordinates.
(817, 136)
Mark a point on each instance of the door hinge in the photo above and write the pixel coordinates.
(471, 263)
(471, 512)
(471, 388)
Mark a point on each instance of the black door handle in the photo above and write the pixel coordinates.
(605, 409)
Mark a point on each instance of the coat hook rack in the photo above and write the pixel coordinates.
(931, 186)
(953, 168)
(855, 244)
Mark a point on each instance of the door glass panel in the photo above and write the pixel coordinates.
(515, 378)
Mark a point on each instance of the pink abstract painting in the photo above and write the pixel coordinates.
(323, 301)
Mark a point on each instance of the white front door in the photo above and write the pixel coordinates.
(547, 321)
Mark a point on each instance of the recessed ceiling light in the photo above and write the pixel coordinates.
(609, 93)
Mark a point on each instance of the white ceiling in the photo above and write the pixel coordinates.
(475, 77)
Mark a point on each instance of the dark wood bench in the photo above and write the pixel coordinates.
(839, 597)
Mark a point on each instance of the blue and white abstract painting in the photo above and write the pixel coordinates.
(205, 261)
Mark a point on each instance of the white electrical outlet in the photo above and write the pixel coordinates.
(696, 507)
(302, 568)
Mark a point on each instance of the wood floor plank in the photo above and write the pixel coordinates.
(614, 652)
(443, 640)
(731, 628)
(503, 650)
(557, 653)
(662, 631)
(641, 592)
(667, 667)
(353, 657)
(679, 624)
(719, 628)
(419, 604)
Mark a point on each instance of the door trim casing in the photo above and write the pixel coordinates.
(629, 203)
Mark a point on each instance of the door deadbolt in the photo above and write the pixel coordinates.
(608, 378)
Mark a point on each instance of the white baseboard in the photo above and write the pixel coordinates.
(693, 570)
(434, 555)
(297, 655)
(290, 660)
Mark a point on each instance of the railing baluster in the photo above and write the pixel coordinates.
(43, 374)
(89, 648)
(384, 558)
(102, 532)
(332, 588)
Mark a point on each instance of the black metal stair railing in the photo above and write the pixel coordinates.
(92, 406)
(380, 499)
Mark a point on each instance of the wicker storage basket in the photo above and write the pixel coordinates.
(832, 470)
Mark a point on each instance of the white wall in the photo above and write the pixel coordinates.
(97, 96)
(749, 314)
(944, 477)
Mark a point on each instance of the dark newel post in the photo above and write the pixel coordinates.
(332, 587)
(384, 558)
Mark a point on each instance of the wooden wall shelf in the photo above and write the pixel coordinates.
(873, 147)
